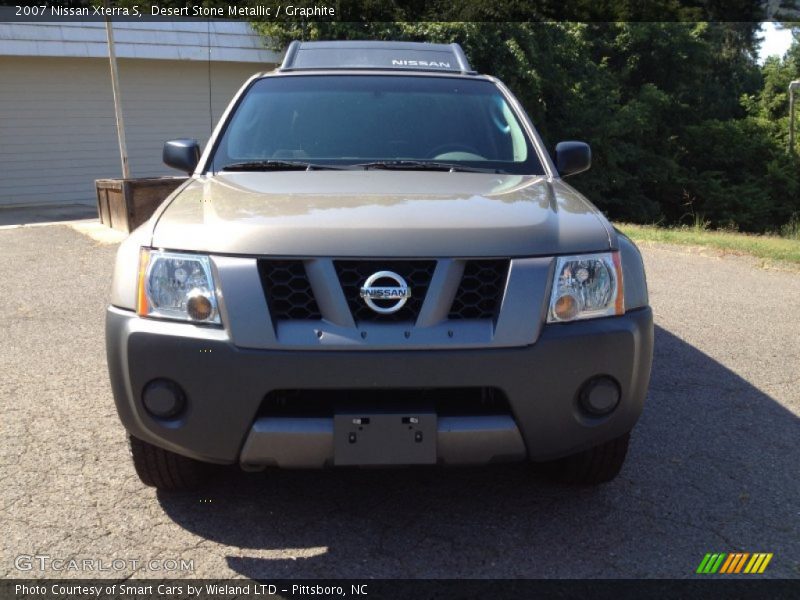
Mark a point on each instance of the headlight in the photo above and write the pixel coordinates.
(176, 286)
(586, 287)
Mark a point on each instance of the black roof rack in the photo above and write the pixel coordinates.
(401, 56)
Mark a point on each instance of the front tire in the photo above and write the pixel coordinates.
(165, 470)
(594, 466)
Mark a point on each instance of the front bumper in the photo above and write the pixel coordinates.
(225, 386)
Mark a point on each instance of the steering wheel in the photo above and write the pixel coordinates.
(440, 152)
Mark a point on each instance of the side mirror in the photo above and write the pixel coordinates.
(182, 155)
(573, 157)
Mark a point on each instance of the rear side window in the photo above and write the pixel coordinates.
(341, 119)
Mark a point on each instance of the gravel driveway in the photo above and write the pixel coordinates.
(713, 464)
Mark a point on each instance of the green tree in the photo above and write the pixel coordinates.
(681, 119)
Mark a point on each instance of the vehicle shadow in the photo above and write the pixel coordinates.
(712, 468)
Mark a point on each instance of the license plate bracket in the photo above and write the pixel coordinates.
(390, 438)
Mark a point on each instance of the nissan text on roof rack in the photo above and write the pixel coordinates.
(376, 262)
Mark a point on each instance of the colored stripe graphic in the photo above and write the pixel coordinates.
(703, 563)
(754, 563)
(740, 564)
(727, 564)
(759, 563)
(730, 564)
(723, 563)
(717, 564)
(711, 563)
(764, 564)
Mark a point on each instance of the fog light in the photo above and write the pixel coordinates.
(600, 395)
(199, 306)
(163, 398)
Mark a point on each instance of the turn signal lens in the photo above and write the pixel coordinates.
(141, 296)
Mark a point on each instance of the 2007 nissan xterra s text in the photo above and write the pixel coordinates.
(376, 262)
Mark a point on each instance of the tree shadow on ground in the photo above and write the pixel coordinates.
(712, 468)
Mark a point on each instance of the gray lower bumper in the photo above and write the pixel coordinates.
(308, 443)
(225, 386)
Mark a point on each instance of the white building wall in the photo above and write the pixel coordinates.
(57, 128)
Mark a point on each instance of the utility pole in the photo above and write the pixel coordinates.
(795, 85)
(112, 57)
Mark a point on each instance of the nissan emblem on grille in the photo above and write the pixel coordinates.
(396, 296)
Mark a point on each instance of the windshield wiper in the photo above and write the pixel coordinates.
(299, 165)
(276, 165)
(422, 165)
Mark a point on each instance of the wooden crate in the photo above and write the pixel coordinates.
(124, 204)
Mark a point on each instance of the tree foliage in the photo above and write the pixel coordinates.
(683, 123)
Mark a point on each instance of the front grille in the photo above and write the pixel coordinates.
(290, 297)
(416, 273)
(287, 290)
(481, 290)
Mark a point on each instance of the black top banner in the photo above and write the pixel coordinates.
(406, 10)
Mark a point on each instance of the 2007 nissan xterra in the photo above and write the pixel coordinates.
(376, 262)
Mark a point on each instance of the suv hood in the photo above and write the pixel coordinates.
(380, 214)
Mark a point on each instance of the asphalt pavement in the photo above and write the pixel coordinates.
(713, 465)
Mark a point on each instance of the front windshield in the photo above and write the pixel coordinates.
(358, 119)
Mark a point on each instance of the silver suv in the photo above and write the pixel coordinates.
(376, 262)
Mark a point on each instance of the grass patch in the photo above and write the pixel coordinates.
(769, 247)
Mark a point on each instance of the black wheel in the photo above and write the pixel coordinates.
(593, 466)
(165, 470)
